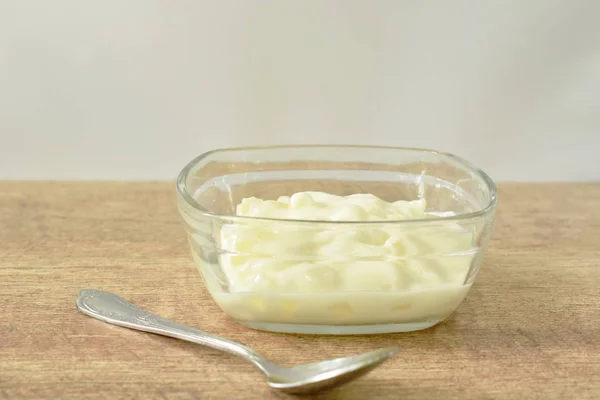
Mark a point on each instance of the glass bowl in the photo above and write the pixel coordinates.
(275, 275)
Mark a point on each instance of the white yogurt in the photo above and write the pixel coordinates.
(341, 274)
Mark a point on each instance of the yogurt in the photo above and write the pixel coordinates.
(320, 272)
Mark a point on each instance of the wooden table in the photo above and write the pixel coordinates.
(529, 329)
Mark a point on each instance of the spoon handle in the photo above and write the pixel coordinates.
(109, 307)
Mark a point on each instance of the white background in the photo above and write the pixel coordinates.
(133, 89)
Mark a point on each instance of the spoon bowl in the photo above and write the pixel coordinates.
(308, 378)
(305, 378)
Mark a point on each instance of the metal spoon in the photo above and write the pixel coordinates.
(305, 378)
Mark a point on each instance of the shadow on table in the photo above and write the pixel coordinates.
(380, 389)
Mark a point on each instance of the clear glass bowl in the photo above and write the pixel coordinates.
(401, 275)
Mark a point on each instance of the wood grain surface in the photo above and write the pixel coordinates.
(529, 328)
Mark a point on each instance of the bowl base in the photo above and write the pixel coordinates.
(339, 329)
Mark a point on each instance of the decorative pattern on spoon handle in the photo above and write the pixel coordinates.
(109, 306)
(113, 309)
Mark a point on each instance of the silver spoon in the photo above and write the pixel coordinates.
(305, 378)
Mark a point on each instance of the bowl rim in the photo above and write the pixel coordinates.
(181, 187)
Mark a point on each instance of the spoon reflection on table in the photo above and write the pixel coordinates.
(304, 378)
